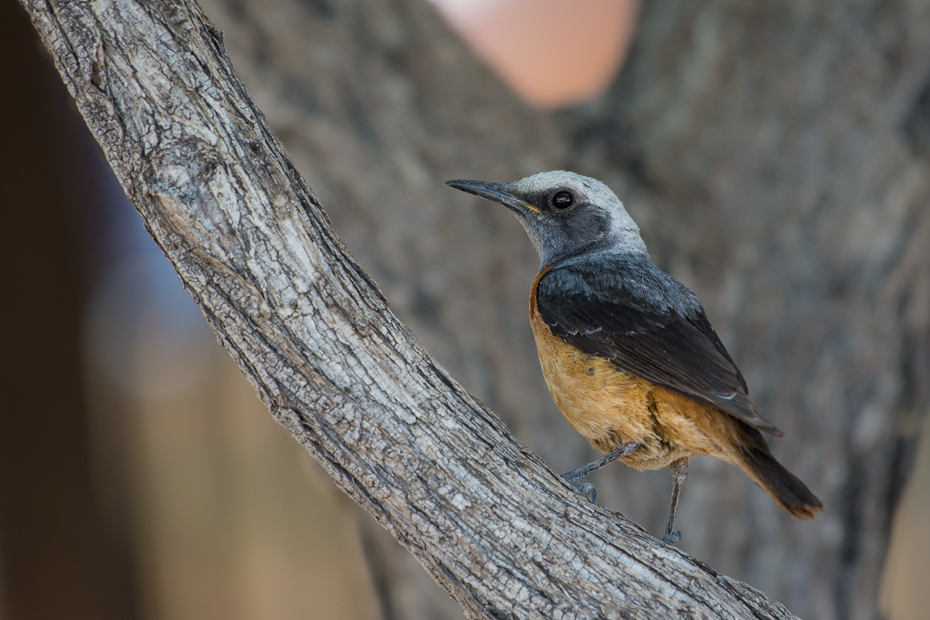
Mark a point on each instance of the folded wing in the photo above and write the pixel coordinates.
(650, 325)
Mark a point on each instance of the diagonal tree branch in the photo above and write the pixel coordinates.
(488, 520)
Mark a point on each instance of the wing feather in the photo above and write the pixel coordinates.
(650, 325)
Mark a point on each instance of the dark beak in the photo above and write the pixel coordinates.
(497, 192)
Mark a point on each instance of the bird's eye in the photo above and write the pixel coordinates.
(563, 200)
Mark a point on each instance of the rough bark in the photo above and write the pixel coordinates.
(775, 158)
(489, 521)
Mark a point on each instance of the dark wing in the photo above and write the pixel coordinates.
(650, 325)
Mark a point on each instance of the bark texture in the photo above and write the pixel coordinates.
(489, 521)
(774, 156)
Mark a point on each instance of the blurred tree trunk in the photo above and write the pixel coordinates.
(774, 155)
(59, 557)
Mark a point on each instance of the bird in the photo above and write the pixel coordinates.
(627, 351)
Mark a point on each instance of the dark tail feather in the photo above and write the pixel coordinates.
(788, 492)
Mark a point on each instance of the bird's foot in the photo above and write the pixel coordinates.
(583, 487)
(586, 489)
(671, 537)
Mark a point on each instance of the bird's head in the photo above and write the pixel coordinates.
(564, 213)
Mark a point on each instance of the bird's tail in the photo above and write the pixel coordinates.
(788, 492)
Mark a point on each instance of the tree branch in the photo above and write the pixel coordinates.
(489, 521)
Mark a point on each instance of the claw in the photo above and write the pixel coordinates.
(672, 537)
(586, 489)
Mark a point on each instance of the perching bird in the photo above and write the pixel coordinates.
(626, 350)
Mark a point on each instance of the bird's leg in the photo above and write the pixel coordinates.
(625, 450)
(679, 475)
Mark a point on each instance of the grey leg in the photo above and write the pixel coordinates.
(625, 450)
(679, 475)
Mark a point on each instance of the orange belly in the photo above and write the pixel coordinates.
(610, 407)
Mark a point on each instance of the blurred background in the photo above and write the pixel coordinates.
(774, 156)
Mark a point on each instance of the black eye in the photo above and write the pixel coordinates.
(563, 200)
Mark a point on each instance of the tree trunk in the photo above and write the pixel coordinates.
(781, 159)
(772, 154)
(775, 158)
